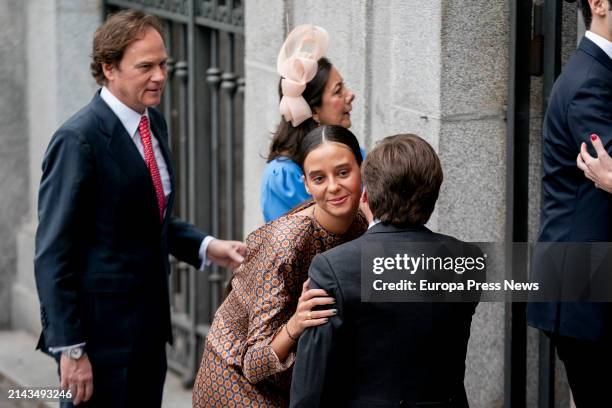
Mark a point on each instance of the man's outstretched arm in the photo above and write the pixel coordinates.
(191, 245)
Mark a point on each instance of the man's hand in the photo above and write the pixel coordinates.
(76, 375)
(226, 253)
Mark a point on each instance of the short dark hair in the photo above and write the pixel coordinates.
(587, 16)
(328, 133)
(115, 35)
(286, 139)
(402, 177)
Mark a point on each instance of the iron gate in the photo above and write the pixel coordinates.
(203, 105)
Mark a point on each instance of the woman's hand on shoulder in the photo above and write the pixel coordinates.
(304, 315)
(597, 169)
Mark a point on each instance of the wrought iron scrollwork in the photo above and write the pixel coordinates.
(227, 16)
(206, 10)
(172, 6)
(230, 13)
(238, 16)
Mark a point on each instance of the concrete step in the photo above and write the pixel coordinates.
(21, 365)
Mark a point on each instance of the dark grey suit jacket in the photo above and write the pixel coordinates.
(380, 354)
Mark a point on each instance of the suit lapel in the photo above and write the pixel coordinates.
(123, 151)
(120, 144)
(161, 136)
(594, 51)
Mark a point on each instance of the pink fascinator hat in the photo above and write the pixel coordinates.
(297, 65)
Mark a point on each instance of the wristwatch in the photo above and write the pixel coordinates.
(75, 353)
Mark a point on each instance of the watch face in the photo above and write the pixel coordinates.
(76, 353)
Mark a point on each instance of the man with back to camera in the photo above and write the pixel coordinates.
(574, 210)
(105, 227)
(385, 354)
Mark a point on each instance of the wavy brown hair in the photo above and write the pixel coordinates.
(402, 177)
(115, 35)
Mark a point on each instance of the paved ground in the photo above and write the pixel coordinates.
(21, 365)
(5, 403)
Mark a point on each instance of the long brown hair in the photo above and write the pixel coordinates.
(287, 139)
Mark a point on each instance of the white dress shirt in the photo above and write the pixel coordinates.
(601, 42)
(130, 119)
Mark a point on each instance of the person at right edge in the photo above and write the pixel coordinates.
(386, 354)
(574, 210)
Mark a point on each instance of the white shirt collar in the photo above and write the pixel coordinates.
(128, 117)
(373, 223)
(601, 42)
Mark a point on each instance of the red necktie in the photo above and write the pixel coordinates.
(145, 137)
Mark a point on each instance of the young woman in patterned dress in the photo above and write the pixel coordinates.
(250, 347)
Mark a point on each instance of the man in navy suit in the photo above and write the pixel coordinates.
(574, 210)
(106, 227)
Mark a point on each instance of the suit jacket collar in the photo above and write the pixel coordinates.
(600, 41)
(122, 149)
(126, 115)
(381, 228)
(594, 51)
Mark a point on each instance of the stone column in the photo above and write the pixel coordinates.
(265, 30)
(472, 204)
(59, 37)
(13, 144)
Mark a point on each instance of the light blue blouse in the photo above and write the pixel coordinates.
(282, 187)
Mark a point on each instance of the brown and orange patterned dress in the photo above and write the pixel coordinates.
(239, 367)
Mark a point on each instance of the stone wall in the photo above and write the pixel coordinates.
(59, 35)
(14, 205)
(472, 148)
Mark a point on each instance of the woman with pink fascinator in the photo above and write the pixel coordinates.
(312, 93)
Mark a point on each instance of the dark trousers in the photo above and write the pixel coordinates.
(589, 370)
(137, 384)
